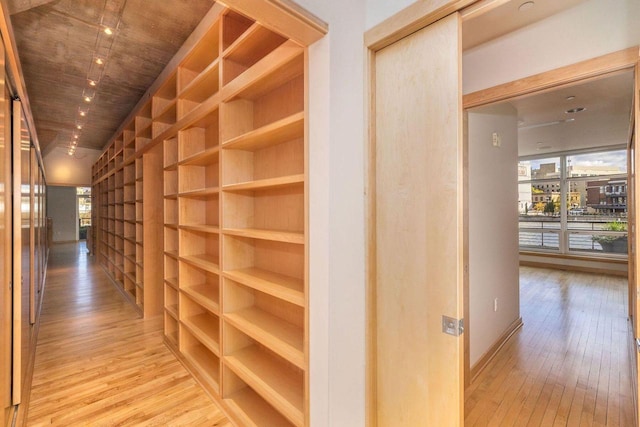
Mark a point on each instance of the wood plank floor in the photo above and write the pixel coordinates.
(98, 364)
(568, 365)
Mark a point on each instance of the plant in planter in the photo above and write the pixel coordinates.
(615, 244)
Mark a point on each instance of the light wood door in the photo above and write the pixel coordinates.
(17, 279)
(417, 260)
(6, 296)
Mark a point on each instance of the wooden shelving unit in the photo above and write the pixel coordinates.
(210, 198)
(118, 182)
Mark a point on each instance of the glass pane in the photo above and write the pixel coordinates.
(611, 244)
(600, 201)
(539, 240)
(539, 205)
(83, 191)
(84, 211)
(597, 164)
(548, 168)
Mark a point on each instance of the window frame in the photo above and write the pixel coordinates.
(566, 183)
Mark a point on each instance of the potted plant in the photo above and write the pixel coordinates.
(613, 244)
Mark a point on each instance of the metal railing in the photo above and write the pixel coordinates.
(582, 235)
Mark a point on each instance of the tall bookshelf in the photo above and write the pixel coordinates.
(218, 156)
(118, 178)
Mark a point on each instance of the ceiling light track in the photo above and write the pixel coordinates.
(108, 28)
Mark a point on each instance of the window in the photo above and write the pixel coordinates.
(84, 207)
(593, 217)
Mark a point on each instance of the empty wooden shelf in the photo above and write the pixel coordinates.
(204, 205)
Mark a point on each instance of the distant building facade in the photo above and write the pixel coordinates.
(607, 196)
(524, 190)
(580, 194)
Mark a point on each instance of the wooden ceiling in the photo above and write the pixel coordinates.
(57, 40)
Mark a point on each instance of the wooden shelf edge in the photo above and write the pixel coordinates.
(247, 408)
(284, 17)
(204, 74)
(265, 67)
(270, 331)
(209, 229)
(200, 157)
(279, 131)
(201, 371)
(248, 33)
(202, 299)
(193, 324)
(283, 287)
(203, 264)
(265, 184)
(261, 372)
(202, 192)
(275, 236)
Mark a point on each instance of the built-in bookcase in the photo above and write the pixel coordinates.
(214, 169)
(118, 179)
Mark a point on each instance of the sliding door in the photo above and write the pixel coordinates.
(23, 298)
(417, 255)
(6, 294)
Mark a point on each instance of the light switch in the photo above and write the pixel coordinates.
(496, 139)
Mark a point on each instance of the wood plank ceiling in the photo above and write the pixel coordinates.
(57, 41)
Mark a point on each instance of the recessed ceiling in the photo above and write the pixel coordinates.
(507, 17)
(56, 42)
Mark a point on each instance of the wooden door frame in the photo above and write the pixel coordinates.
(590, 69)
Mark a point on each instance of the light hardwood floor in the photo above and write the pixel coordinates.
(98, 364)
(568, 365)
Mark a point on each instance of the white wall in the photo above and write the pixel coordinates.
(588, 30)
(62, 208)
(336, 177)
(62, 169)
(379, 10)
(493, 226)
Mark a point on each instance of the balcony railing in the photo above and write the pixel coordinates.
(583, 235)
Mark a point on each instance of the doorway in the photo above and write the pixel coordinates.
(84, 211)
(566, 152)
(380, 42)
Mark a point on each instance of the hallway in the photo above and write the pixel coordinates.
(568, 365)
(98, 364)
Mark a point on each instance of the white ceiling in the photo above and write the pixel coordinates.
(507, 17)
(544, 126)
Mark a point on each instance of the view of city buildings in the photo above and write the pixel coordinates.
(583, 197)
(594, 215)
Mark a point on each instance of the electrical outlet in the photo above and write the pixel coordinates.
(495, 304)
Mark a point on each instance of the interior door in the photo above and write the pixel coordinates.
(6, 295)
(22, 292)
(418, 235)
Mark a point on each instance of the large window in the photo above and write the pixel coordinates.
(574, 203)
